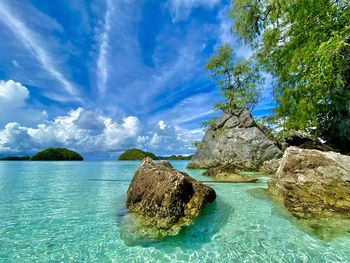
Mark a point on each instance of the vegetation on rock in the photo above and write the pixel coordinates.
(57, 154)
(137, 154)
(238, 79)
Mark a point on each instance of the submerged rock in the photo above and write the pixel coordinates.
(166, 198)
(313, 183)
(225, 173)
(237, 142)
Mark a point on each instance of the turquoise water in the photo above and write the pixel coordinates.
(53, 212)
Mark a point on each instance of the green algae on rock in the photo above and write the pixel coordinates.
(227, 173)
(270, 167)
(166, 199)
(312, 183)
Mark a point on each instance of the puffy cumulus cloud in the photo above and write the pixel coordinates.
(170, 139)
(80, 129)
(162, 125)
(181, 9)
(13, 96)
(15, 138)
(91, 132)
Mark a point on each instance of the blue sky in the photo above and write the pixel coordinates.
(102, 76)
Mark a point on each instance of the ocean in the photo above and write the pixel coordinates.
(74, 212)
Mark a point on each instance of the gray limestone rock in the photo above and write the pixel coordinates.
(235, 141)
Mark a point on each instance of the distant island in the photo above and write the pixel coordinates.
(50, 154)
(15, 158)
(137, 154)
(175, 157)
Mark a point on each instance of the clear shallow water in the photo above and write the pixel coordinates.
(52, 212)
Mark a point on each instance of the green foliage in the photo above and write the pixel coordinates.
(305, 44)
(136, 154)
(211, 123)
(237, 79)
(15, 158)
(57, 154)
(176, 157)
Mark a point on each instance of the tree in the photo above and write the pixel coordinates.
(238, 80)
(305, 44)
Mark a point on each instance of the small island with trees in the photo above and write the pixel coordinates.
(137, 154)
(50, 154)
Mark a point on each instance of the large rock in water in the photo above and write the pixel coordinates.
(235, 142)
(313, 183)
(165, 196)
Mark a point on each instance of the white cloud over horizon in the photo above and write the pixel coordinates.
(89, 132)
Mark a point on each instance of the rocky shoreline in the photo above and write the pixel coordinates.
(310, 183)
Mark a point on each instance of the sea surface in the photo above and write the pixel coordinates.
(74, 211)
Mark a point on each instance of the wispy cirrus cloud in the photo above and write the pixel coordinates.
(35, 45)
(225, 34)
(102, 63)
(181, 9)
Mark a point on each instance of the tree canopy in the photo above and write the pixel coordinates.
(238, 80)
(305, 45)
(136, 154)
(57, 154)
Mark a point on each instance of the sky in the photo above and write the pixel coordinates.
(103, 76)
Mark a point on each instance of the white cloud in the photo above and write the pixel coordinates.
(15, 64)
(74, 131)
(102, 67)
(181, 9)
(13, 96)
(171, 139)
(14, 138)
(35, 45)
(162, 124)
(70, 131)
